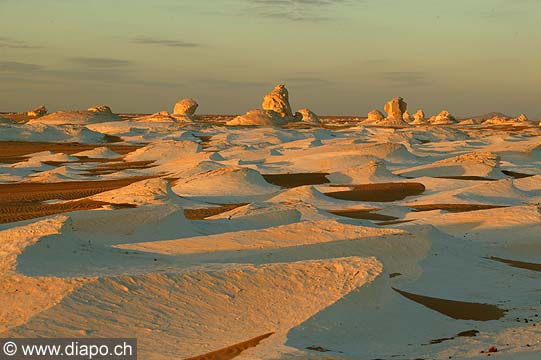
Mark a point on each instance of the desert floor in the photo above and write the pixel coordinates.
(307, 242)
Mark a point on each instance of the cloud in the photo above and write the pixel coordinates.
(406, 78)
(163, 42)
(100, 63)
(83, 70)
(14, 67)
(10, 43)
(295, 10)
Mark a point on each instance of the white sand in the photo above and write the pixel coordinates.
(279, 262)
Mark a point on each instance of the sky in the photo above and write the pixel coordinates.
(337, 57)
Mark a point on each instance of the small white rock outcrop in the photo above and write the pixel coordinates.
(185, 107)
(93, 115)
(308, 116)
(374, 116)
(395, 109)
(443, 118)
(276, 111)
(278, 101)
(406, 117)
(37, 112)
(419, 117)
(522, 118)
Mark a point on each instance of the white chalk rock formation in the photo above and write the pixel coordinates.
(278, 101)
(37, 112)
(374, 116)
(276, 111)
(406, 117)
(104, 109)
(419, 117)
(94, 115)
(258, 117)
(498, 120)
(185, 107)
(395, 109)
(522, 118)
(308, 116)
(506, 120)
(443, 118)
(162, 116)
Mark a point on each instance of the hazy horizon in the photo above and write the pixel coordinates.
(342, 57)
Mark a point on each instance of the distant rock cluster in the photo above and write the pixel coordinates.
(276, 111)
(395, 109)
(96, 114)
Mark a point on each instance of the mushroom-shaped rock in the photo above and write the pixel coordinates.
(39, 111)
(100, 109)
(374, 116)
(185, 107)
(278, 101)
(259, 117)
(308, 116)
(395, 108)
(443, 118)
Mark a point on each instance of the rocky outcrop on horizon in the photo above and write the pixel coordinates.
(278, 101)
(308, 116)
(37, 112)
(395, 110)
(161, 116)
(419, 117)
(185, 106)
(374, 116)
(407, 117)
(443, 118)
(276, 111)
(93, 115)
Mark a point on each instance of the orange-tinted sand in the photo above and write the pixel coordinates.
(24, 201)
(518, 264)
(232, 351)
(109, 168)
(383, 192)
(15, 151)
(13, 212)
(362, 214)
(69, 190)
(296, 180)
(516, 175)
(459, 310)
(203, 213)
(475, 178)
(467, 333)
(455, 208)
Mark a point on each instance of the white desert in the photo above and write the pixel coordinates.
(274, 234)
